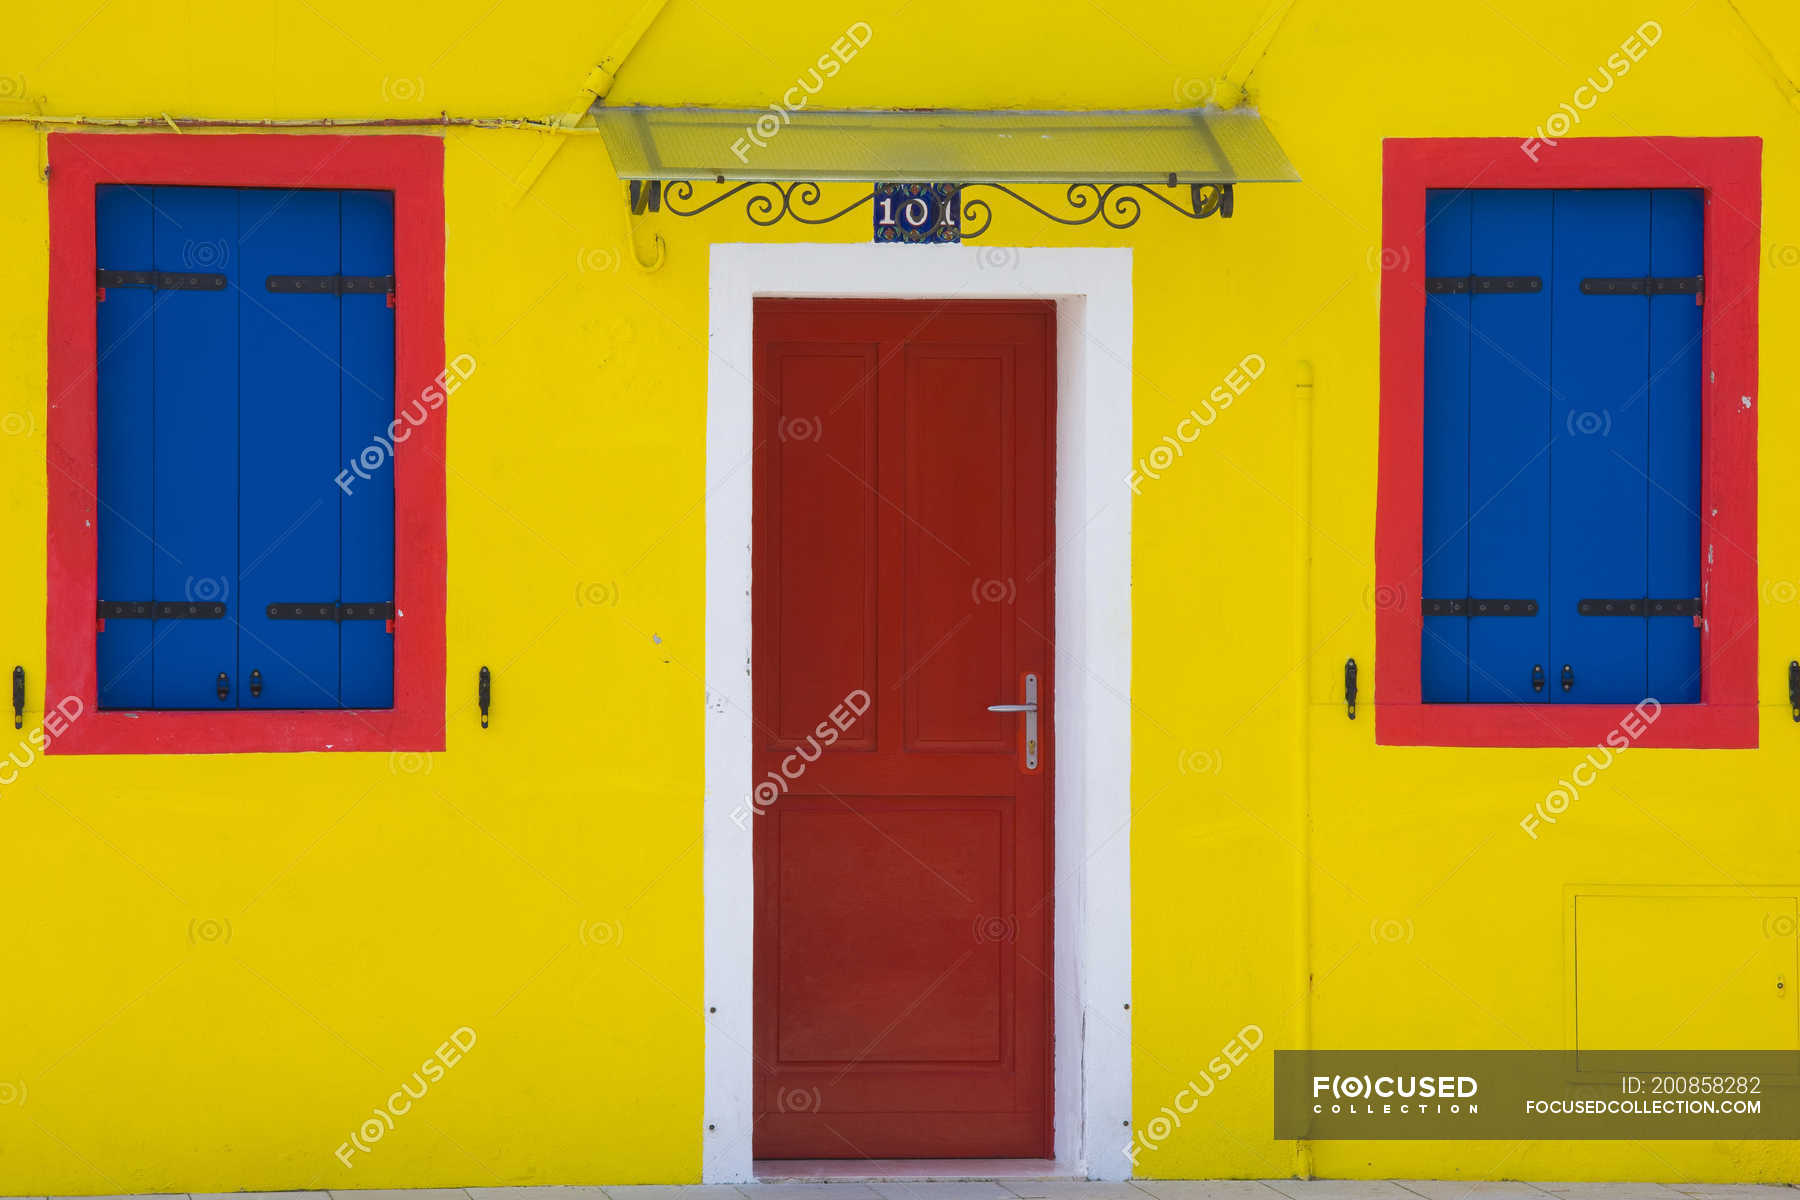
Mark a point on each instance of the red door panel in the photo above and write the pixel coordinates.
(903, 871)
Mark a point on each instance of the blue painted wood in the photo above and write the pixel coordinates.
(1600, 422)
(195, 445)
(1676, 219)
(127, 413)
(367, 505)
(289, 379)
(1509, 439)
(1444, 651)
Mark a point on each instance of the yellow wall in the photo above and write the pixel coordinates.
(539, 882)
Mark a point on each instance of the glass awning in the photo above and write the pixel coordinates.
(941, 146)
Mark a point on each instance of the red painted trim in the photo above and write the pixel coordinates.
(1730, 171)
(412, 167)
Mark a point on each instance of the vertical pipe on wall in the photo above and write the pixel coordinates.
(1302, 626)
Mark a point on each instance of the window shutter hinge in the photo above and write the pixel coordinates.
(333, 285)
(1458, 606)
(1521, 285)
(165, 281)
(1648, 285)
(328, 610)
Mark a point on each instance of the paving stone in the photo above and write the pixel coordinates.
(1071, 1189)
(1340, 1189)
(811, 1191)
(1475, 1189)
(523, 1193)
(668, 1191)
(961, 1189)
(1208, 1189)
(1610, 1191)
(399, 1194)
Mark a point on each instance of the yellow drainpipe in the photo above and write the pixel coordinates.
(1302, 626)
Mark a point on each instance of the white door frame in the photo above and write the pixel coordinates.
(1092, 1020)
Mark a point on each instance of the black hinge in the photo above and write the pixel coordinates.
(1484, 284)
(178, 281)
(1646, 285)
(161, 610)
(332, 285)
(1457, 606)
(326, 610)
(1350, 687)
(1686, 606)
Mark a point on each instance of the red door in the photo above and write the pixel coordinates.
(903, 575)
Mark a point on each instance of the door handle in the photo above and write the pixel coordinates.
(1030, 709)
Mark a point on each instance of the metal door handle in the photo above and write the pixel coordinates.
(1030, 709)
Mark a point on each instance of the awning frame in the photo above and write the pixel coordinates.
(946, 166)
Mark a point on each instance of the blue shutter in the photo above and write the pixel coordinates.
(1601, 429)
(1444, 652)
(126, 514)
(1509, 417)
(1674, 473)
(368, 409)
(195, 446)
(290, 380)
(225, 417)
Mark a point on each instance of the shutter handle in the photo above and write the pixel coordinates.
(1537, 677)
(255, 684)
(1568, 678)
(223, 686)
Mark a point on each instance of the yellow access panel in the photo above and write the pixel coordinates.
(1685, 969)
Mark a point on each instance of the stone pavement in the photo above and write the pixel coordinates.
(1060, 1189)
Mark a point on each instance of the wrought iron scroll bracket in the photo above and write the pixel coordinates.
(768, 202)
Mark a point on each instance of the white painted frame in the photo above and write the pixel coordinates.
(1092, 1020)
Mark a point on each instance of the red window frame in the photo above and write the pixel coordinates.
(1730, 172)
(412, 168)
